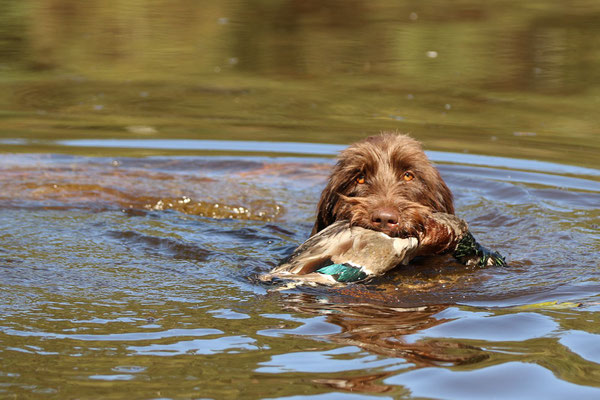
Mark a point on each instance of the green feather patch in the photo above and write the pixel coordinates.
(468, 248)
(343, 272)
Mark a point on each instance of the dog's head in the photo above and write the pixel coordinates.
(384, 183)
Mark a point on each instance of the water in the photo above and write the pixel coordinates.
(156, 158)
(130, 274)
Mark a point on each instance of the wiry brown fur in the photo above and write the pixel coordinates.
(383, 160)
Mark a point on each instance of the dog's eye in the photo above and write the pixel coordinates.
(360, 179)
(408, 176)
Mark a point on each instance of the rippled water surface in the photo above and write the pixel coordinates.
(132, 274)
(155, 157)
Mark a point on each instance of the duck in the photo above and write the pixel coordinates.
(342, 253)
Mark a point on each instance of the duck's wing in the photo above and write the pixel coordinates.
(310, 279)
(317, 251)
(376, 253)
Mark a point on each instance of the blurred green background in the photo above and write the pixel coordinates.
(508, 78)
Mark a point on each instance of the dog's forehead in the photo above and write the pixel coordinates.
(407, 157)
(375, 155)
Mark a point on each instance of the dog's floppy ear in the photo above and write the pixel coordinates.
(326, 206)
(444, 201)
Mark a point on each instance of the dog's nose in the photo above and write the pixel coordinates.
(385, 218)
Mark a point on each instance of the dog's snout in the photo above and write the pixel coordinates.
(385, 218)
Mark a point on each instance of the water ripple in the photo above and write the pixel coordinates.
(161, 246)
(125, 337)
(227, 344)
(336, 360)
(511, 380)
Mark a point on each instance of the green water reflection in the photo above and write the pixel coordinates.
(509, 78)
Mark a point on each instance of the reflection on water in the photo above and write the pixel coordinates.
(513, 79)
(382, 330)
(100, 285)
(145, 180)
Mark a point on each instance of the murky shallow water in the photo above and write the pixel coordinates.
(134, 275)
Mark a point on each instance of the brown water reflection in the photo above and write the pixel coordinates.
(381, 328)
(129, 186)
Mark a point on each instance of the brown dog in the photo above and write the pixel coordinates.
(384, 183)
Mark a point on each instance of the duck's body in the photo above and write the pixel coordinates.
(369, 252)
(342, 253)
